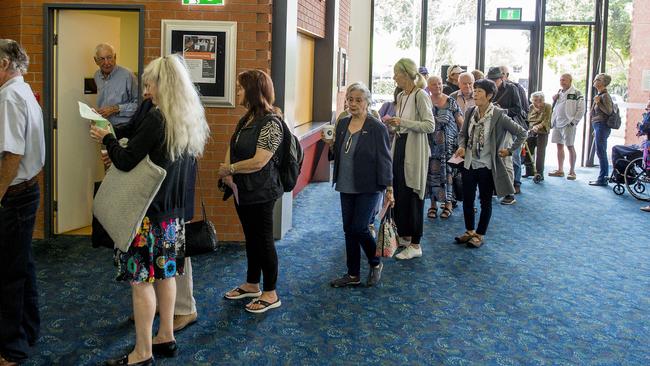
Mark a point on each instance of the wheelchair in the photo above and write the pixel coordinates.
(637, 179)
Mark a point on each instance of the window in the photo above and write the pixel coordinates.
(396, 35)
(570, 10)
(451, 34)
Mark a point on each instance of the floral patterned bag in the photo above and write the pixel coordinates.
(387, 236)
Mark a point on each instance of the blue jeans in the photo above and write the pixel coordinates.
(601, 132)
(357, 209)
(516, 166)
(19, 317)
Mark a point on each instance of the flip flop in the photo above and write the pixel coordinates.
(432, 213)
(242, 294)
(446, 212)
(267, 306)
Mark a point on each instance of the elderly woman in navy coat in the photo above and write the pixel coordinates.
(362, 173)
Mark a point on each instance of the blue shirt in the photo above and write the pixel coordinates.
(345, 179)
(119, 88)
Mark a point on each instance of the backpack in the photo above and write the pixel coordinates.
(614, 119)
(290, 158)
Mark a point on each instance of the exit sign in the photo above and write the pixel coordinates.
(203, 2)
(512, 14)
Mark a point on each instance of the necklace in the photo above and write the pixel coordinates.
(402, 106)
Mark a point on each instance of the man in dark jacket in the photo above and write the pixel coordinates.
(507, 98)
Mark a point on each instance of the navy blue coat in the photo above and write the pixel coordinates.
(373, 165)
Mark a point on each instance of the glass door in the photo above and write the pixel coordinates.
(509, 47)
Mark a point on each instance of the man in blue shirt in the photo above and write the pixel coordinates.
(117, 87)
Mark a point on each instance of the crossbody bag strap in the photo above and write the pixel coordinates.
(198, 178)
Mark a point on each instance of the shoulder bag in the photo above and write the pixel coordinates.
(200, 236)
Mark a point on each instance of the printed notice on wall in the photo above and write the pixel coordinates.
(200, 53)
(645, 81)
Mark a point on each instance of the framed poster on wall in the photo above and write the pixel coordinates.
(209, 49)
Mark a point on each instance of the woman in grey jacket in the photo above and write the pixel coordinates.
(485, 129)
(410, 149)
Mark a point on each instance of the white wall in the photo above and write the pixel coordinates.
(359, 42)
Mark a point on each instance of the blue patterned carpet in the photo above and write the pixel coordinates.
(562, 280)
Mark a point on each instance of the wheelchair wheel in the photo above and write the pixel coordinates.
(637, 180)
(537, 178)
(619, 189)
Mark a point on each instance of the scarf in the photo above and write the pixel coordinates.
(477, 130)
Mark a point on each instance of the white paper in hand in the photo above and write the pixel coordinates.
(88, 113)
(455, 160)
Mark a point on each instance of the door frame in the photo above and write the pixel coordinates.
(48, 87)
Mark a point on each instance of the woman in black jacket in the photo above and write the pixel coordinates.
(362, 171)
(171, 134)
(252, 162)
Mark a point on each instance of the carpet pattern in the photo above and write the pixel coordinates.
(562, 280)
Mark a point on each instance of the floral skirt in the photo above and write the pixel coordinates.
(152, 254)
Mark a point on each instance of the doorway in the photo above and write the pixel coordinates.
(74, 166)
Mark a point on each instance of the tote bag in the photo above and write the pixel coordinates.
(387, 236)
(124, 198)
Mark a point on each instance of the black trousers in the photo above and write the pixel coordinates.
(537, 148)
(257, 222)
(481, 178)
(409, 208)
(19, 317)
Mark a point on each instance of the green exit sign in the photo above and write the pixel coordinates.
(203, 2)
(509, 14)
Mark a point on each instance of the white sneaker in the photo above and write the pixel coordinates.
(403, 242)
(409, 252)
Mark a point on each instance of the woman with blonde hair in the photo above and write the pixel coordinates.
(171, 134)
(410, 150)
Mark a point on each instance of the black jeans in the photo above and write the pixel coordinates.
(257, 222)
(357, 209)
(19, 318)
(483, 179)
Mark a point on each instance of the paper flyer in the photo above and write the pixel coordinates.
(88, 113)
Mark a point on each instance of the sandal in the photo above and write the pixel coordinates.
(556, 173)
(432, 212)
(446, 212)
(475, 241)
(464, 238)
(241, 294)
(266, 306)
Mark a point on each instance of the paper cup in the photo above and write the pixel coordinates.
(328, 132)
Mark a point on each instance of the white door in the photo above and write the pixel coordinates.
(76, 163)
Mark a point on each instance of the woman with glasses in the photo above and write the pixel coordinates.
(362, 172)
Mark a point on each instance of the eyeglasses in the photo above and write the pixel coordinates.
(100, 60)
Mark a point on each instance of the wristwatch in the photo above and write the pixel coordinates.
(232, 169)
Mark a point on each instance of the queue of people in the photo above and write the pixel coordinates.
(399, 156)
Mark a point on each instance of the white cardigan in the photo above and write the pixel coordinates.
(417, 123)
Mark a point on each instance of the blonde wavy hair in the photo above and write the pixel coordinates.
(408, 67)
(186, 129)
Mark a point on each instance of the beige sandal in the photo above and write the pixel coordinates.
(475, 241)
(464, 238)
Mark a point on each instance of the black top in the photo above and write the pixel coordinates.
(373, 165)
(450, 88)
(147, 137)
(263, 185)
(507, 98)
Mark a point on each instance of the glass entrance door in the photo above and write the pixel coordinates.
(509, 47)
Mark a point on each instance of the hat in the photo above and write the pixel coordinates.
(455, 69)
(423, 70)
(494, 73)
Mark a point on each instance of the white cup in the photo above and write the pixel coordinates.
(328, 132)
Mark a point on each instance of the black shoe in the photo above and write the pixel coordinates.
(124, 360)
(167, 349)
(598, 183)
(374, 275)
(346, 280)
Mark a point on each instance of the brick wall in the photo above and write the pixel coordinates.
(311, 17)
(640, 60)
(344, 35)
(253, 51)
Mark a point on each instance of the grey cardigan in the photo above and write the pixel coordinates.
(500, 126)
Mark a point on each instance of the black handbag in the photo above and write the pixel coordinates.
(200, 236)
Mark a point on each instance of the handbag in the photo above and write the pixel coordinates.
(387, 236)
(200, 236)
(124, 198)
